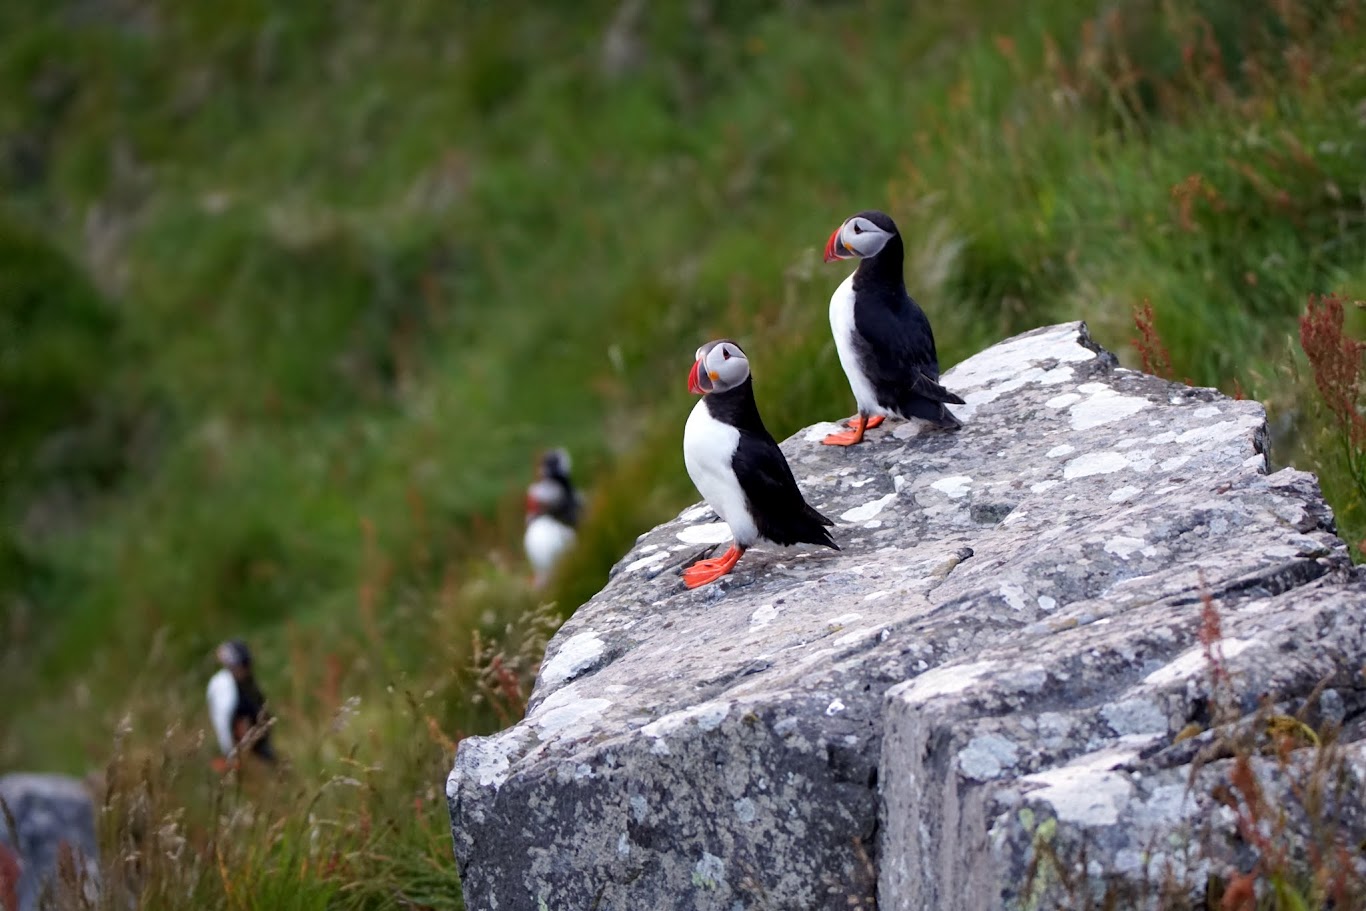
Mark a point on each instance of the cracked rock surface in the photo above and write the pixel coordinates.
(1002, 654)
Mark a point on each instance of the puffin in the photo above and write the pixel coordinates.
(236, 706)
(737, 467)
(552, 515)
(883, 338)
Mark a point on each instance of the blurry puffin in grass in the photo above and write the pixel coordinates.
(883, 338)
(737, 466)
(237, 708)
(552, 515)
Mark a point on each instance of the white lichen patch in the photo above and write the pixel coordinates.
(942, 681)
(817, 432)
(1192, 662)
(709, 873)
(1124, 493)
(571, 718)
(1086, 791)
(835, 707)
(855, 636)
(1058, 452)
(763, 616)
(709, 533)
(1104, 406)
(1221, 432)
(1062, 401)
(953, 487)
(1093, 463)
(867, 510)
(987, 756)
(693, 513)
(1041, 486)
(658, 557)
(842, 620)
(707, 716)
(578, 654)
(1013, 594)
(484, 760)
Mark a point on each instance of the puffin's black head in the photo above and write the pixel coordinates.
(555, 465)
(861, 236)
(553, 490)
(235, 656)
(717, 367)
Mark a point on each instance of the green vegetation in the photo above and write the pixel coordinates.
(291, 296)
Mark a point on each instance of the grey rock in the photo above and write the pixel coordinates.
(43, 816)
(997, 662)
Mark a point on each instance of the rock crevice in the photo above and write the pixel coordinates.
(1000, 660)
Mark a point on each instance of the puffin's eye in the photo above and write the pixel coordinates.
(725, 354)
(858, 229)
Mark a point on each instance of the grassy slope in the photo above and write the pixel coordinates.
(332, 274)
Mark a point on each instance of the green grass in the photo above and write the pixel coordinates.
(292, 296)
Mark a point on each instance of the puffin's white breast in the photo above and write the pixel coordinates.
(222, 698)
(842, 327)
(547, 539)
(708, 447)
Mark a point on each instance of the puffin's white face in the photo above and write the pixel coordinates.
(857, 238)
(717, 367)
(233, 656)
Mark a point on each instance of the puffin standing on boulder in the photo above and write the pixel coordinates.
(552, 514)
(737, 466)
(883, 338)
(236, 706)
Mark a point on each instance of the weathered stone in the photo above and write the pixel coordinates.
(1001, 657)
(52, 816)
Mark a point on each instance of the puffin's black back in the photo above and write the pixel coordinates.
(780, 512)
(893, 338)
(251, 707)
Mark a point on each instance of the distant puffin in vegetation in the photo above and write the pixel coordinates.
(552, 515)
(237, 707)
(884, 340)
(737, 466)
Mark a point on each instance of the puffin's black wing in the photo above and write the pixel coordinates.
(899, 357)
(251, 711)
(780, 511)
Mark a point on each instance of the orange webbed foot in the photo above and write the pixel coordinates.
(222, 765)
(848, 437)
(704, 571)
(875, 421)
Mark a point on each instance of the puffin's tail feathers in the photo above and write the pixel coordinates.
(820, 531)
(927, 388)
(932, 410)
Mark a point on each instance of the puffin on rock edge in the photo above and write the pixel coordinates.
(737, 466)
(236, 706)
(883, 338)
(552, 515)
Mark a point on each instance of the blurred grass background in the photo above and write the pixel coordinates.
(292, 296)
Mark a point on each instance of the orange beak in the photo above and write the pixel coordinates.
(693, 385)
(835, 250)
